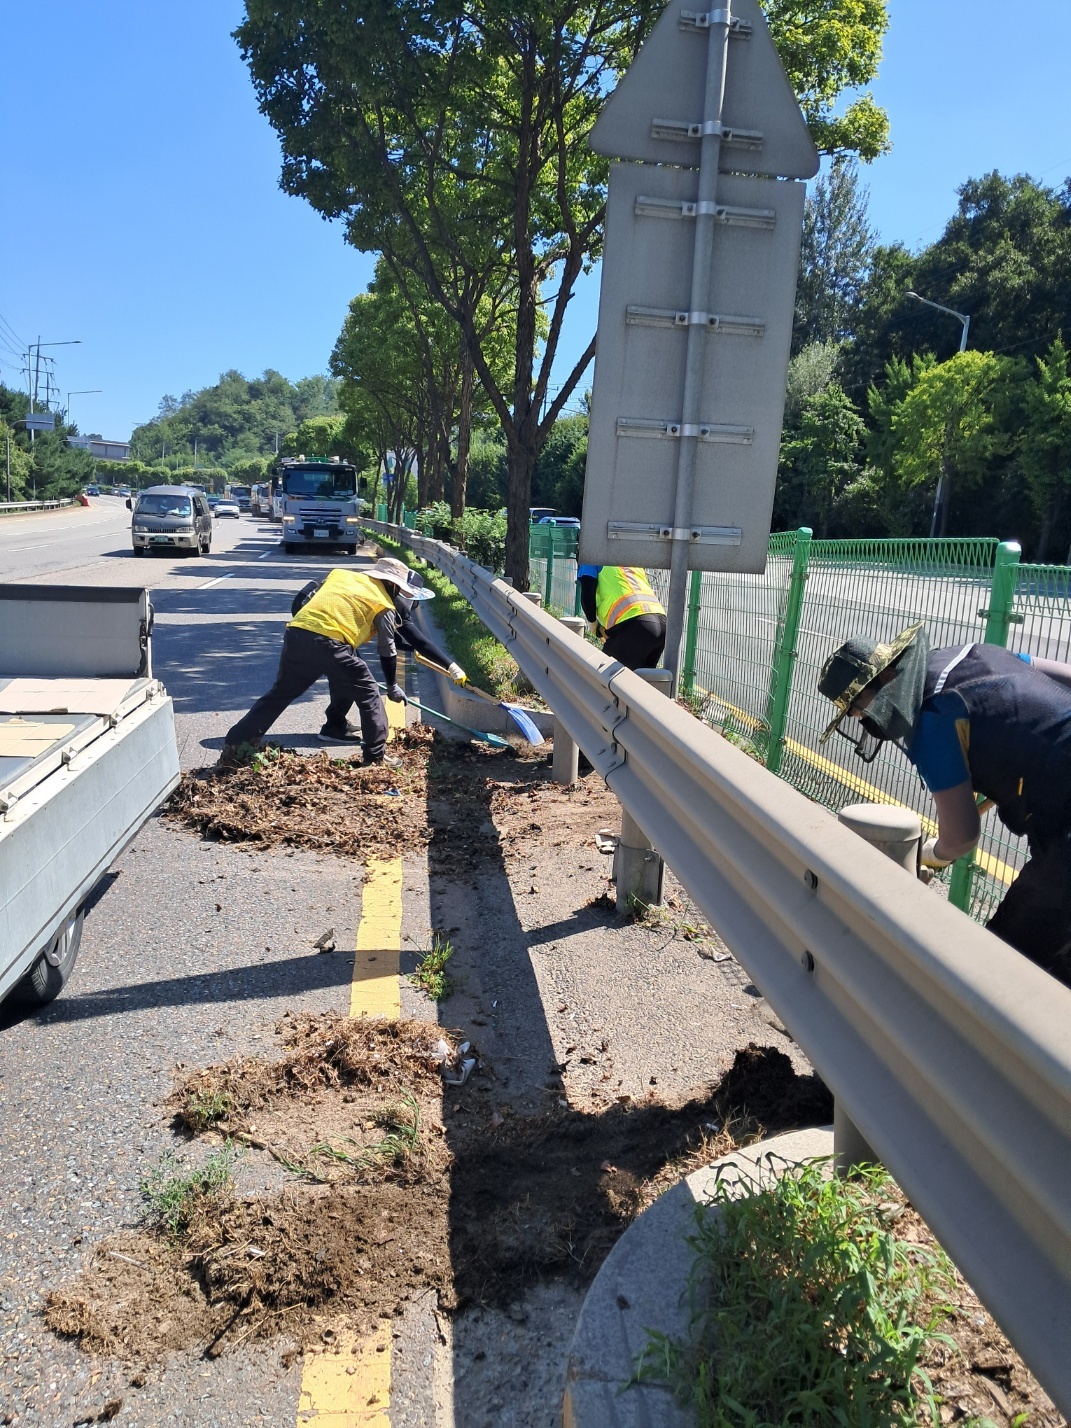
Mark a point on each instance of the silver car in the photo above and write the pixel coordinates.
(171, 518)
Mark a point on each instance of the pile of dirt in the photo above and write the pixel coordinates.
(473, 1206)
(328, 804)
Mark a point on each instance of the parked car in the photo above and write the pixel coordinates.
(171, 517)
(571, 522)
(226, 507)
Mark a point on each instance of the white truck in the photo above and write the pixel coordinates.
(87, 752)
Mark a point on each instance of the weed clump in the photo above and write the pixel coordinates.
(807, 1309)
(173, 1195)
(431, 975)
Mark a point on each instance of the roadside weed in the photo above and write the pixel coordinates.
(205, 1108)
(806, 1309)
(431, 976)
(172, 1193)
(402, 1125)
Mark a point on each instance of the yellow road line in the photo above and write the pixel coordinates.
(350, 1389)
(376, 989)
(1001, 872)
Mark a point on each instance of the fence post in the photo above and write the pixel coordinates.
(784, 660)
(998, 619)
(1002, 593)
(549, 583)
(691, 637)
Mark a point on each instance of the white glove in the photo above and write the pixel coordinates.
(929, 858)
(457, 674)
(593, 629)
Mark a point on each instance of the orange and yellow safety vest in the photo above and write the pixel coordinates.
(623, 592)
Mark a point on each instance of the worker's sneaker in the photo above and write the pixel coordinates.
(387, 760)
(340, 734)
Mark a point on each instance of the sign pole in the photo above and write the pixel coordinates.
(695, 360)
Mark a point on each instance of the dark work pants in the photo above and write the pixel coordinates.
(1035, 916)
(307, 657)
(638, 643)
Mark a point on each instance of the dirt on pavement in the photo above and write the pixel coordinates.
(393, 1189)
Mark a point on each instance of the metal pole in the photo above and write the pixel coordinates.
(566, 758)
(784, 662)
(695, 359)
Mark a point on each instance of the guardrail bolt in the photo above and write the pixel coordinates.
(807, 962)
(811, 879)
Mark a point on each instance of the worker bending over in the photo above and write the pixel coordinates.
(975, 719)
(618, 601)
(331, 621)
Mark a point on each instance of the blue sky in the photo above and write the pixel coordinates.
(142, 213)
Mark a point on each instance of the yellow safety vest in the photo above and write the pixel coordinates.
(344, 607)
(623, 592)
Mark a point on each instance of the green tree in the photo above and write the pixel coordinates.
(834, 256)
(819, 462)
(467, 122)
(945, 429)
(1045, 455)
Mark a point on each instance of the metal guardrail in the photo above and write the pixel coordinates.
(12, 507)
(948, 1050)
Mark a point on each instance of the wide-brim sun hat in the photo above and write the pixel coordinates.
(395, 572)
(854, 665)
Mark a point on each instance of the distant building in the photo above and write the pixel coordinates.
(101, 449)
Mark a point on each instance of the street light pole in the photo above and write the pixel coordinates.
(965, 319)
(81, 392)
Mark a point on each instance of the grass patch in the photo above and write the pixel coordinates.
(431, 975)
(399, 1145)
(480, 655)
(173, 1194)
(204, 1108)
(807, 1310)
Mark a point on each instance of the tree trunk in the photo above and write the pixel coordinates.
(464, 437)
(518, 513)
(1052, 515)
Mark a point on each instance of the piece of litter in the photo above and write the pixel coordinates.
(455, 1066)
(326, 942)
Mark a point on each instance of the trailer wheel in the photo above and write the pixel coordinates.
(51, 971)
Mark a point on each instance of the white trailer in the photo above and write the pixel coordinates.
(87, 753)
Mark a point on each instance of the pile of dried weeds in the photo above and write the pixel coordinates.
(329, 804)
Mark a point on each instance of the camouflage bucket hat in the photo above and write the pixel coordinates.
(857, 663)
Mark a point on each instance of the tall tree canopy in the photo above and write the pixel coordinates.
(466, 121)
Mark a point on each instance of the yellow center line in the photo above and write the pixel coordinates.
(376, 988)
(350, 1389)
(1001, 872)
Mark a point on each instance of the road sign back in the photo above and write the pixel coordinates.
(656, 112)
(645, 310)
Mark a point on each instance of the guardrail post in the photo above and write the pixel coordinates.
(784, 660)
(1002, 593)
(691, 637)
(638, 870)
(896, 832)
(534, 595)
(566, 759)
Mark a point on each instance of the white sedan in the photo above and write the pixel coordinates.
(226, 508)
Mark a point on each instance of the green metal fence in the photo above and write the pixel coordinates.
(552, 566)
(755, 645)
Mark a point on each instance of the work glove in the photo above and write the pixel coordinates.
(928, 857)
(397, 694)
(457, 674)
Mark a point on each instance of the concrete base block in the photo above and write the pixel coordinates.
(643, 1286)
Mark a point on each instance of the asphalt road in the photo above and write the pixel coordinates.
(193, 950)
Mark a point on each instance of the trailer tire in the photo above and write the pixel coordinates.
(52, 969)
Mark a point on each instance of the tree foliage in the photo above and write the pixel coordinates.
(835, 255)
(233, 420)
(464, 123)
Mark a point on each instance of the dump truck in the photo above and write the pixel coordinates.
(87, 753)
